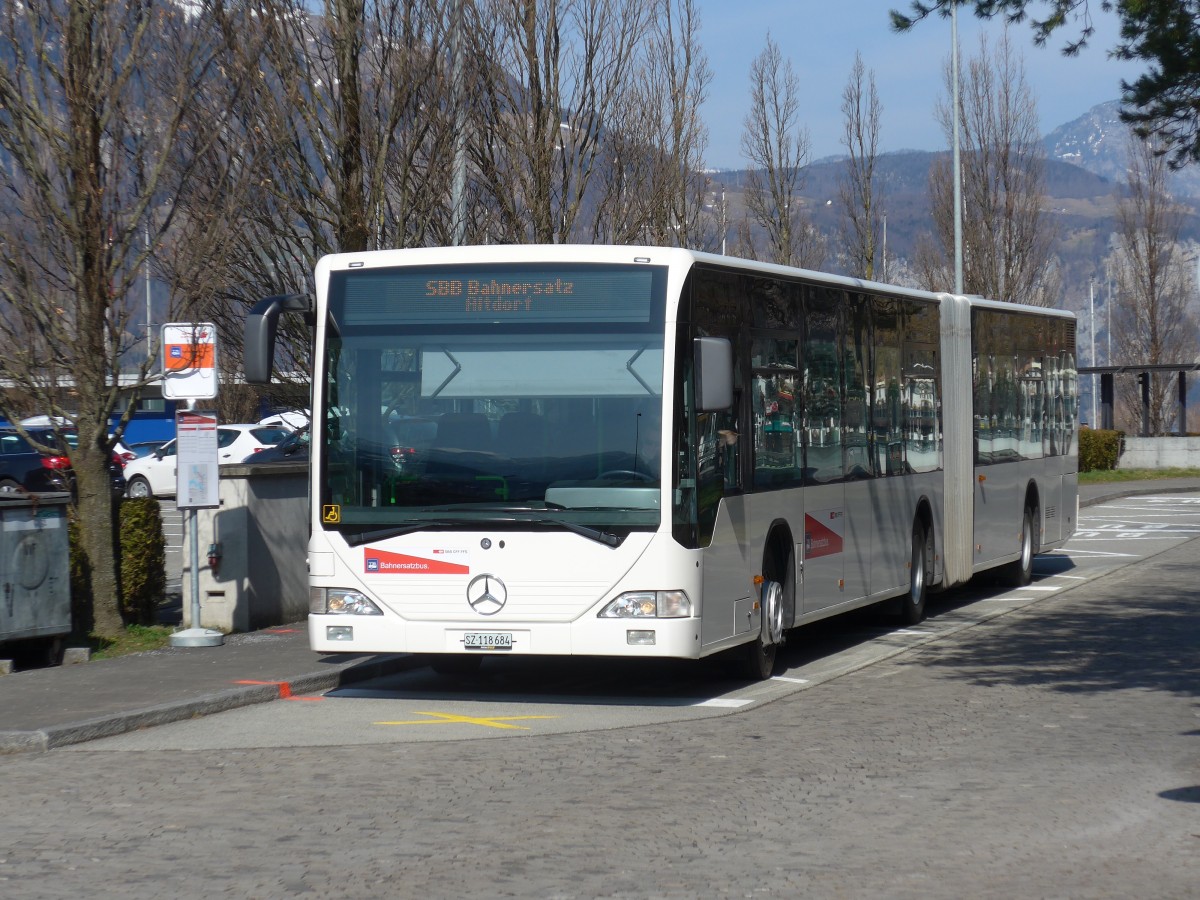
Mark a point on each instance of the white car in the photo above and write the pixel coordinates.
(154, 475)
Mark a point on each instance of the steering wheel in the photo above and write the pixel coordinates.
(625, 473)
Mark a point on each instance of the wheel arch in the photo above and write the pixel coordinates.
(777, 547)
(924, 515)
(1033, 497)
(1033, 501)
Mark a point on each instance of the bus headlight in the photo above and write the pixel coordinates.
(649, 605)
(341, 602)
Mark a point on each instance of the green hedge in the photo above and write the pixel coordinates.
(1099, 449)
(141, 565)
(143, 561)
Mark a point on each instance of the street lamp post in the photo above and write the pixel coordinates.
(149, 315)
(958, 248)
(1092, 329)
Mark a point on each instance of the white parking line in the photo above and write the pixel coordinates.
(1081, 552)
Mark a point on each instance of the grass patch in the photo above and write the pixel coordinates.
(1109, 476)
(134, 639)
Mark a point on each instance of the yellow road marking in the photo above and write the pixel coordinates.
(453, 719)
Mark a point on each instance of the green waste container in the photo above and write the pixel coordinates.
(35, 571)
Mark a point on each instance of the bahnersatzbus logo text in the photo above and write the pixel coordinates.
(433, 561)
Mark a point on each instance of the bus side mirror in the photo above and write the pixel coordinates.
(261, 323)
(714, 374)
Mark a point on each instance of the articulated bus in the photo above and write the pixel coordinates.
(649, 452)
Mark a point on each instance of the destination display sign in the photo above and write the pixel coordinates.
(491, 294)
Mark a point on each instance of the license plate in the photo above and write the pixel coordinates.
(487, 640)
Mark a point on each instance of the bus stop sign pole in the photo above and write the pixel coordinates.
(190, 373)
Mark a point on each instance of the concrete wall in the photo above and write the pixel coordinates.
(262, 528)
(1160, 453)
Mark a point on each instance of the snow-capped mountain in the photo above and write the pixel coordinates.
(1098, 142)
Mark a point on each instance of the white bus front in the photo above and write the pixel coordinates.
(489, 475)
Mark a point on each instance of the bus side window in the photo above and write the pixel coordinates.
(823, 388)
(887, 425)
(775, 413)
(729, 445)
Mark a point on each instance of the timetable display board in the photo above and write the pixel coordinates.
(196, 462)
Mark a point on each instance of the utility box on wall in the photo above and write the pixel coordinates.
(35, 577)
(253, 547)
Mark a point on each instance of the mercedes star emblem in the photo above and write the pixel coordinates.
(487, 594)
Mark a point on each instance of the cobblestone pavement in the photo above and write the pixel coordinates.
(1053, 752)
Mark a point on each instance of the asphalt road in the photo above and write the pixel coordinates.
(1044, 743)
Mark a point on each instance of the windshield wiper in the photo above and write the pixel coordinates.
(357, 538)
(601, 537)
(518, 514)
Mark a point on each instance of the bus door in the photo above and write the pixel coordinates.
(824, 541)
(997, 474)
(727, 595)
(858, 470)
(824, 546)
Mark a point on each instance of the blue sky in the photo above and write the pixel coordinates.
(820, 39)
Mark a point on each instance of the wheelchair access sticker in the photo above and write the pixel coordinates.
(331, 513)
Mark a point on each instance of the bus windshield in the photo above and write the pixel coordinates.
(449, 420)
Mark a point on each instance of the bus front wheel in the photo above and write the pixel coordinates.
(758, 662)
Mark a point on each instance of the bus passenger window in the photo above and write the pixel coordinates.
(775, 414)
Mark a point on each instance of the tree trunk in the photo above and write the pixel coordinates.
(97, 537)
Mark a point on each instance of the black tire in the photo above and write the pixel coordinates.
(455, 664)
(912, 605)
(1020, 572)
(138, 487)
(759, 656)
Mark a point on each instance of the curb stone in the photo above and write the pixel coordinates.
(194, 707)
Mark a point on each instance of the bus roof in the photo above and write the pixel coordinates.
(674, 257)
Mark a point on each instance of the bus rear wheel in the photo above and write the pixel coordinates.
(912, 606)
(1020, 571)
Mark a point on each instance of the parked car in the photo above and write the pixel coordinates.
(24, 468)
(123, 452)
(293, 448)
(154, 475)
(144, 448)
(292, 418)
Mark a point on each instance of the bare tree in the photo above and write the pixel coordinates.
(777, 148)
(1153, 309)
(345, 136)
(676, 78)
(1008, 239)
(549, 81)
(859, 191)
(650, 187)
(98, 130)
